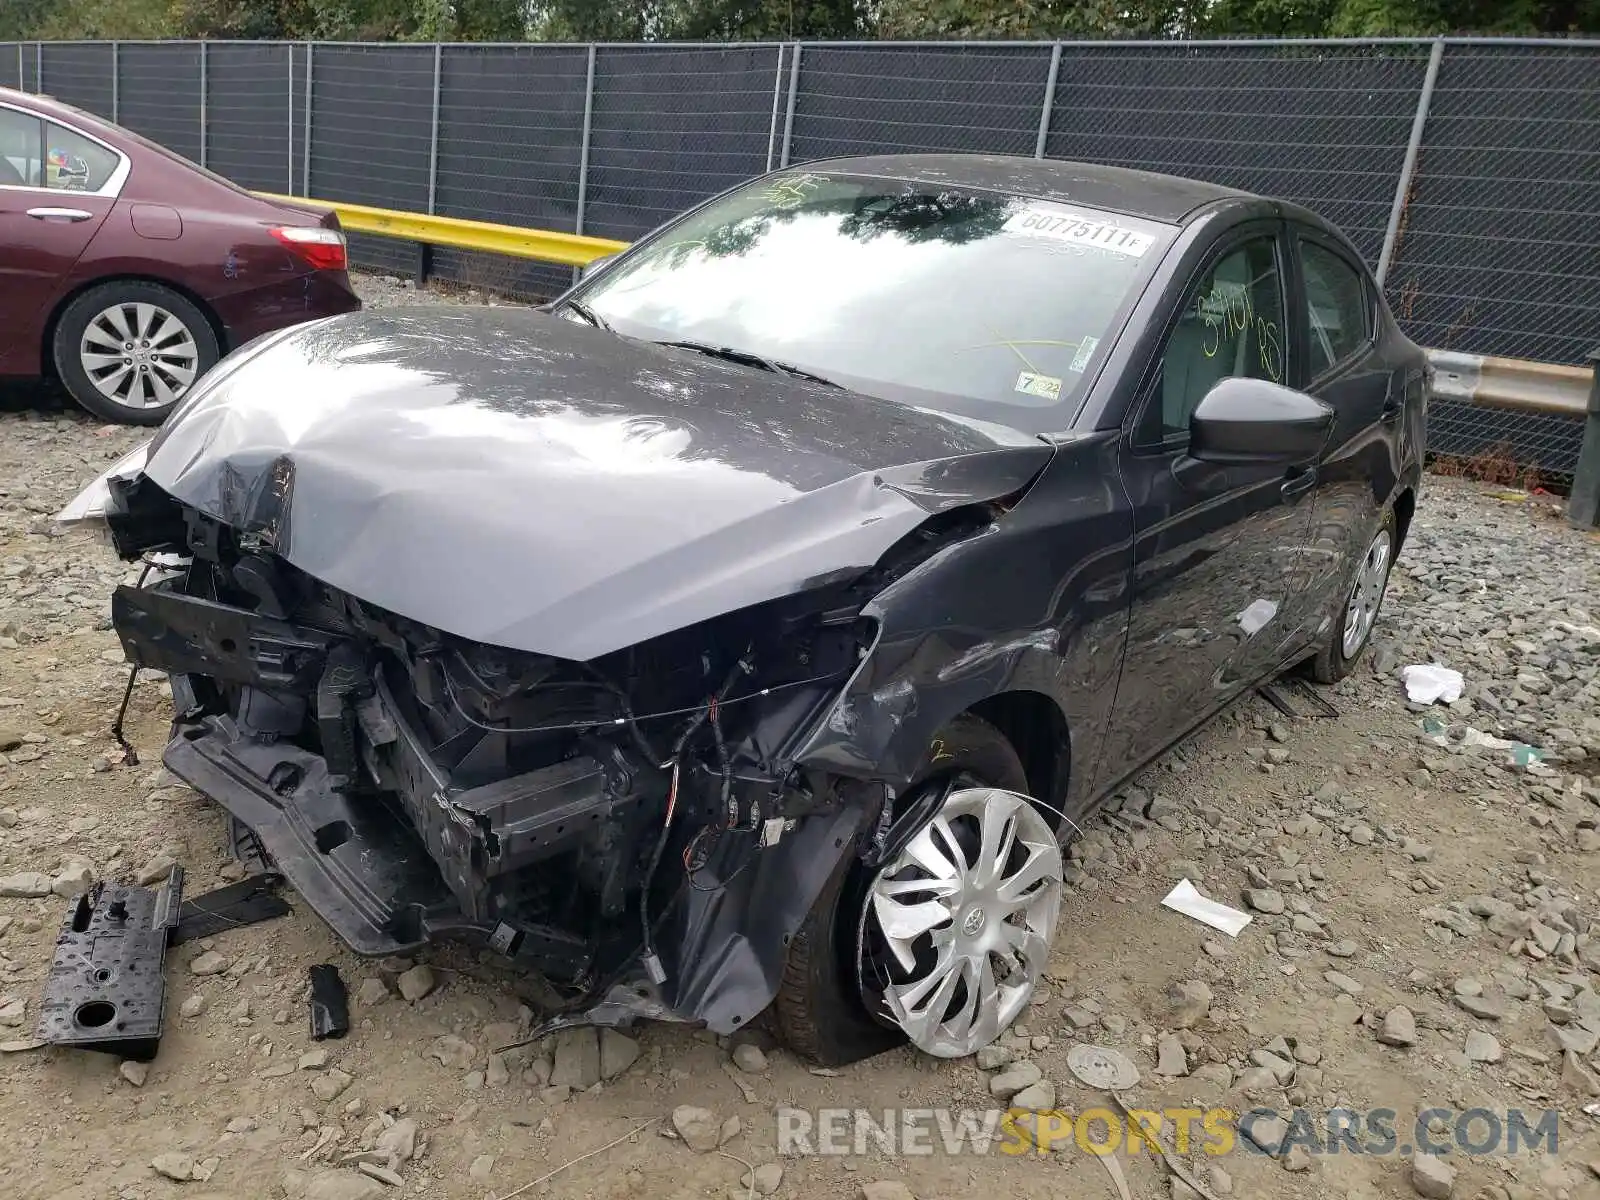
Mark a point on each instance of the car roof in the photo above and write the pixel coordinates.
(1168, 198)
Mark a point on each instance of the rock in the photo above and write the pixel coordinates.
(1432, 1176)
(1013, 1079)
(1361, 834)
(27, 883)
(1489, 1007)
(330, 1084)
(455, 1053)
(1298, 1159)
(577, 1062)
(698, 1127)
(1578, 1077)
(208, 962)
(748, 1057)
(314, 1059)
(1343, 948)
(1282, 1068)
(1399, 1027)
(398, 1142)
(134, 1072)
(498, 1072)
(13, 1011)
(1343, 982)
(342, 1185)
(74, 881)
(381, 1174)
(618, 1052)
(1482, 1047)
(416, 983)
(766, 1179)
(177, 1167)
(885, 1189)
(1172, 1060)
(994, 1056)
(372, 992)
(1267, 1132)
(1036, 1097)
(481, 1169)
(193, 1005)
(1188, 1002)
(10, 739)
(1264, 900)
(156, 870)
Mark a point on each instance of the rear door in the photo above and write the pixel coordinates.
(1218, 575)
(1336, 324)
(57, 187)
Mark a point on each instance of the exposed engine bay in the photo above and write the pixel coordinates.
(624, 827)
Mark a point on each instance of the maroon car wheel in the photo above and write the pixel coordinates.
(129, 351)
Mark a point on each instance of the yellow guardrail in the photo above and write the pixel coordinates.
(543, 245)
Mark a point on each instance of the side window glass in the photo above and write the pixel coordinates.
(1232, 325)
(19, 149)
(75, 164)
(1337, 306)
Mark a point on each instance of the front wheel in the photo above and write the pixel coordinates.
(129, 350)
(1353, 629)
(944, 943)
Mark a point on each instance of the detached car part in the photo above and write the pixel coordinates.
(107, 989)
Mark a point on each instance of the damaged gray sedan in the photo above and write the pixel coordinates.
(744, 631)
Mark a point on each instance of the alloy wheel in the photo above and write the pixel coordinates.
(139, 355)
(961, 921)
(1367, 595)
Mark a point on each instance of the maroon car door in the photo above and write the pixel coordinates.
(56, 188)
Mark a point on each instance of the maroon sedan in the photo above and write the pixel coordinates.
(127, 271)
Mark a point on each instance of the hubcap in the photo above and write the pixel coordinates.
(139, 355)
(1367, 595)
(964, 917)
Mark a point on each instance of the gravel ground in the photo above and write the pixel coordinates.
(1426, 934)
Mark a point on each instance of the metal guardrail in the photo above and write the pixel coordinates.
(541, 245)
(1512, 383)
(1478, 379)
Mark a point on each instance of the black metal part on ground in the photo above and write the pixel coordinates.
(246, 848)
(330, 1003)
(106, 989)
(1274, 694)
(233, 906)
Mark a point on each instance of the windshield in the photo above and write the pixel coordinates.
(970, 302)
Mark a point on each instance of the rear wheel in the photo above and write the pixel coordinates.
(945, 942)
(1352, 627)
(128, 350)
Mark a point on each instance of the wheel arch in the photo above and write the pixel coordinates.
(1405, 507)
(47, 357)
(1037, 729)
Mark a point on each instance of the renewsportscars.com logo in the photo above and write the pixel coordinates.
(1212, 1131)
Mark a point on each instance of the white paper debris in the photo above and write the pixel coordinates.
(1185, 899)
(1256, 615)
(1432, 683)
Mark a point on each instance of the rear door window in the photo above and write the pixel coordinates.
(1338, 306)
(73, 163)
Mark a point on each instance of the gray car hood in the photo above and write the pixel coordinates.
(519, 479)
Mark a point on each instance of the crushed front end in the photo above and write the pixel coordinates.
(634, 829)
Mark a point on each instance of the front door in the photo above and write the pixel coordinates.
(49, 211)
(1218, 575)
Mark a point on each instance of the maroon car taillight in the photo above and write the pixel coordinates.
(322, 249)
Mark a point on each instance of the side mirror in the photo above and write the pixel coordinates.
(1245, 421)
(594, 265)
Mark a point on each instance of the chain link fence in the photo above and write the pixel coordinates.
(1466, 169)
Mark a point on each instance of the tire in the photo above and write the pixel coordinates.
(151, 379)
(819, 1010)
(1338, 657)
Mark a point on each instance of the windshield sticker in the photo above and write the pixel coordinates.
(1080, 360)
(1078, 230)
(1046, 387)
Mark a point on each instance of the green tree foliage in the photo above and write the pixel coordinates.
(734, 20)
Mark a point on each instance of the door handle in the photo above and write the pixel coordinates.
(1392, 409)
(59, 214)
(1299, 483)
